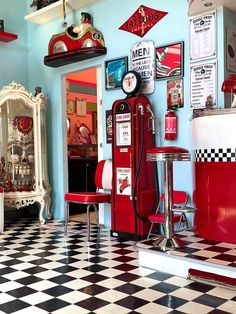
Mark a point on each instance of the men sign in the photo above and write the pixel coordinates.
(142, 56)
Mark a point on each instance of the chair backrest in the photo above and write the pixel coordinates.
(103, 175)
(179, 197)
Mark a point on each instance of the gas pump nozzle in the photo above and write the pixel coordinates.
(152, 118)
(141, 109)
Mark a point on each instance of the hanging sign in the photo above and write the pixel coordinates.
(203, 37)
(142, 56)
(203, 86)
(143, 19)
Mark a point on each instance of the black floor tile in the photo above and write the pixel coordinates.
(57, 291)
(93, 289)
(170, 301)
(129, 288)
(52, 305)
(209, 300)
(164, 287)
(94, 278)
(131, 302)
(92, 303)
(13, 306)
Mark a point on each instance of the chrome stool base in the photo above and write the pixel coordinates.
(166, 244)
(168, 155)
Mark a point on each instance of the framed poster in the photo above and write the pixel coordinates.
(231, 50)
(203, 86)
(170, 61)
(114, 71)
(70, 106)
(202, 36)
(81, 108)
(142, 57)
(109, 126)
(123, 184)
(175, 94)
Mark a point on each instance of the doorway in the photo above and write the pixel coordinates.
(83, 136)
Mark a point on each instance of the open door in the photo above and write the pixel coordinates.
(83, 130)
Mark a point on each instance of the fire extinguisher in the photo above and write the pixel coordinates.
(170, 125)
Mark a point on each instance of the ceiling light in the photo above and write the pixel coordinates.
(208, 4)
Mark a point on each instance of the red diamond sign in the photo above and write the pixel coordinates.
(143, 19)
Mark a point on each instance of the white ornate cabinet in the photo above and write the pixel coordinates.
(23, 153)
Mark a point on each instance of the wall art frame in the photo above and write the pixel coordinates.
(170, 61)
(70, 106)
(114, 71)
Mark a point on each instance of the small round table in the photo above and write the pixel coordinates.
(168, 154)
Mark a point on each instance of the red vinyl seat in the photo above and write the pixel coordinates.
(180, 208)
(103, 181)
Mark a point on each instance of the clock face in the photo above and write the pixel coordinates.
(131, 83)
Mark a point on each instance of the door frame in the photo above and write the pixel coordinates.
(99, 126)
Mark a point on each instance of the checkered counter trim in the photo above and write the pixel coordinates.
(215, 155)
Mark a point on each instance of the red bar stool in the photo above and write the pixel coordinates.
(168, 154)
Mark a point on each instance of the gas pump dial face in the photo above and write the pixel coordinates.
(131, 82)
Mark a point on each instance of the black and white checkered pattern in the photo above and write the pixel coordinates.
(215, 155)
(42, 271)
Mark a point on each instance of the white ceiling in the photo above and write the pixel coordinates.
(199, 6)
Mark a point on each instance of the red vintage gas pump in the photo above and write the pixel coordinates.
(134, 179)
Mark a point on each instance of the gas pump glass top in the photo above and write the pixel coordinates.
(131, 82)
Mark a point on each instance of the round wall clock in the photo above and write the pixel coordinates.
(131, 82)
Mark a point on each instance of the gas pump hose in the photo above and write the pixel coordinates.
(137, 174)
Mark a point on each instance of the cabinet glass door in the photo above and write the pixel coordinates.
(17, 166)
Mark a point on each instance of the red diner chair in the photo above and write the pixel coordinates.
(103, 181)
(180, 208)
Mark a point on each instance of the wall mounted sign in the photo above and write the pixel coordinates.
(70, 106)
(81, 108)
(109, 125)
(143, 19)
(202, 37)
(175, 94)
(114, 71)
(123, 184)
(143, 58)
(170, 61)
(231, 50)
(203, 82)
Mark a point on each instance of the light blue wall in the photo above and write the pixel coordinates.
(108, 16)
(14, 54)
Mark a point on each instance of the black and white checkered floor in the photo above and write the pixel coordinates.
(42, 271)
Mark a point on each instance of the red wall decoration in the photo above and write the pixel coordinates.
(143, 19)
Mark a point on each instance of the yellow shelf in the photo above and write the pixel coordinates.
(54, 10)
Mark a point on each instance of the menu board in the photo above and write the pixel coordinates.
(203, 82)
(202, 37)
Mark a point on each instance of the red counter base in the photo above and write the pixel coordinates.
(215, 201)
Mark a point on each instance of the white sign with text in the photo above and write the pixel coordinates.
(142, 56)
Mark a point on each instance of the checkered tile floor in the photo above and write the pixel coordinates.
(197, 248)
(41, 271)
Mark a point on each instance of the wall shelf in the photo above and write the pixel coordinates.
(54, 10)
(6, 37)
